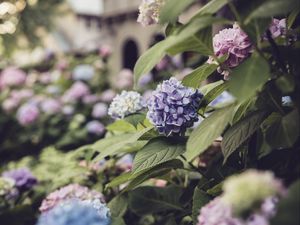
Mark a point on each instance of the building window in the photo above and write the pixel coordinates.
(130, 54)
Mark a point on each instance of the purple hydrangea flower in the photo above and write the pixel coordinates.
(69, 192)
(99, 110)
(173, 107)
(51, 106)
(95, 127)
(278, 28)
(90, 99)
(234, 43)
(75, 212)
(12, 76)
(27, 114)
(24, 179)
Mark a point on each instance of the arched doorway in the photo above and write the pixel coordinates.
(130, 54)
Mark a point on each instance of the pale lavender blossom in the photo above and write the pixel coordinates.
(27, 114)
(163, 64)
(51, 106)
(173, 107)
(90, 99)
(45, 78)
(68, 110)
(95, 127)
(69, 192)
(278, 28)
(108, 95)
(83, 72)
(234, 43)
(124, 79)
(149, 12)
(126, 103)
(24, 179)
(12, 76)
(21, 94)
(99, 110)
(76, 92)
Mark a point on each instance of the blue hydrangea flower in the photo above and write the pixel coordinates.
(173, 107)
(76, 213)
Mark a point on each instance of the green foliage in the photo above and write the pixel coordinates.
(210, 129)
(200, 198)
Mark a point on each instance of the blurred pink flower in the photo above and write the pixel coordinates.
(12, 76)
(105, 51)
(163, 64)
(124, 79)
(51, 106)
(90, 99)
(27, 114)
(77, 91)
(10, 104)
(108, 95)
(95, 127)
(99, 110)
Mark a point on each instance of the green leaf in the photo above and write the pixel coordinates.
(121, 125)
(118, 206)
(148, 200)
(241, 109)
(210, 128)
(135, 119)
(292, 17)
(207, 88)
(240, 132)
(156, 171)
(195, 78)
(123, 178)
(172, 9)
(284, 132)
(249, 77)
(200, 198)
(289, 207)
(272, 8)
(149, 59)
(157, 151)
(215, 92)
(211, 7)
(112, 145)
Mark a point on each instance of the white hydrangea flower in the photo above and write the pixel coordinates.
(149, 12)
(126, 103)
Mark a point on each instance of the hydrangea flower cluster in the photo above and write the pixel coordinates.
(124, 79)
(252, 193)
(51, 106)
(234, 43)
(23, 178)
(99, 110)
(278, 28)
(77, 91)
(83, 72)
(173, 107)
(12, 76)
(126, 103)
(27, 114)
(263, 185)
(69, 192)
(76, 213)
(95, 127)
(149, 12)
(108, 95)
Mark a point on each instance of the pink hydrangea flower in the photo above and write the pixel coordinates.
(105, 51)
(124, 79)
(278, 27)
(77, 91)
(99, 110)
(27, 114)
(10, 104)
(234, 43)
(149, 12)
(95, 127)
(108, 95)
(90, 99)
(51, 106)
(69, 192)
(12, 76)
